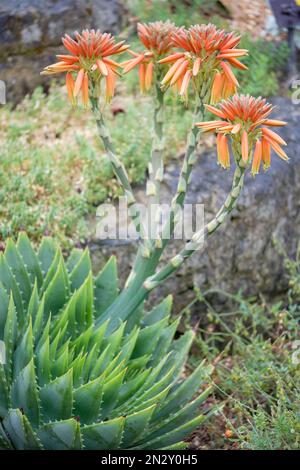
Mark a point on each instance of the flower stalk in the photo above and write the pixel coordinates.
(198, 238)
(156, 166)
(117, 165)
(137, 291)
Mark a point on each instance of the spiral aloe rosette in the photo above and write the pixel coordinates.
(67, 384)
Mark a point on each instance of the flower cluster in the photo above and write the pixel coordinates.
(244, 119)
(157, 39)
(201, 55)
(89, 59)
(207, 52)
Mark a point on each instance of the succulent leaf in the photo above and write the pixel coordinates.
(72, 382)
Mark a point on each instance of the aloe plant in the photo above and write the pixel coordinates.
(86, 367)
(67, 384)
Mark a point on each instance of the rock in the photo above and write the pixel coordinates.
(241, 255)
(31, 31)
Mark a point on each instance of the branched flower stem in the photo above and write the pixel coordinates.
(146, 265)
(117, 165)
(156, 167)
(198, 239)
(133, 296)
(148, 259)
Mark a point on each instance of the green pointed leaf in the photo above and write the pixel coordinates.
(106, 287)
(60, 366)
(25, 395)
(78, 366)
(84, 304)
(39, 322)
(10, 336)
(30, 259)
(4, 395)
(161, 311)
(155, 389)
(135, 426)
(114, 342)
(174, 436)
(45, 332)
(24, 352)
(156, 399)
(43, 363)
(56, 294)
(81, 270)
(135, 365)
(48, 278)
(18, 269)
(9, 283)
(57, 398)
(83, 340)
(185, 391)
(46, 254)
(135, 318)
(151, 380)
(5, 443)
(177, 446)
(148, 338)
(179, 352)
(61, 435)
(164, 342)
(181, 416)
(67, 317)
(4, 301)
(103, 436)
(129, 345)
(20, 431)
(130, 387)
(73, 259)
(34, 301)
(110, 394)
(113, 369)
(87, 400)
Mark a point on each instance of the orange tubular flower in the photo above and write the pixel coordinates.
(207, 51)
(157, 39)
(89, 60)
(244, 119)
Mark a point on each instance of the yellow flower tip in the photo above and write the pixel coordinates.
(85, 90)
(217, 87)
(223, 151)
(257, 158)
(102, 67)
(185, 83)
(196, 66)
(274, 122)
(70, 86)
(245, 147)
(273, 136)
(149, 76)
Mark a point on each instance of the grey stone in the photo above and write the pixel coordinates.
(31, 31)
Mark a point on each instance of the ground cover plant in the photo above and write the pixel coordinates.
(254, 346)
